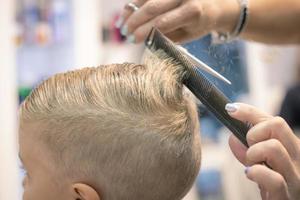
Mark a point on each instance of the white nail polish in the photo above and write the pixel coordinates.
(231, 107)
(131, 39)
(124, 30)
(119, 22)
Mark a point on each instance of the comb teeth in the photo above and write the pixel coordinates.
(202, 88)
(156, 40)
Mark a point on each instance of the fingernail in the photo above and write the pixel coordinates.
(130, 39)
(247, 170)
(124, 30)
(119, 22)
(231, 107)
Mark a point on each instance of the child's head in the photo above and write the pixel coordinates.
(115, 132)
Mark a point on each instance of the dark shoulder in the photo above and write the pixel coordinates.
(294, 91)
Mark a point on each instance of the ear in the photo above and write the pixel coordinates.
(85, 192)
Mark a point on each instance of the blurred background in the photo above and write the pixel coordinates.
(39, 38)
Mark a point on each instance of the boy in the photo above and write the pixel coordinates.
(116, 132)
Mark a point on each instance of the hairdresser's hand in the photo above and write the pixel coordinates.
(271, 141)
(180, 20)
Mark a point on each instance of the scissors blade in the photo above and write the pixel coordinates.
(202, 65)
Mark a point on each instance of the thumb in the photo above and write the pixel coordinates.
(238, 149)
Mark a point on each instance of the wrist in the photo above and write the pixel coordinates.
(227, 15)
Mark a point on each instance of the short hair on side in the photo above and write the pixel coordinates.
(129, 130)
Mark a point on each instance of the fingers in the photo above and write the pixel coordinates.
(127, 12)
(278, 129)
(149, 11)
(175, 18)
(181, 20)
(271, 141)
(265, 127)
(142, 32)
(180, 36)
(238, 149)
(264, 195)
(275, 155)
(271, 183)
(170, 23)
(177, 36)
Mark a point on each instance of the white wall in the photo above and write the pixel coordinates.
(87, 34)
(9, 179)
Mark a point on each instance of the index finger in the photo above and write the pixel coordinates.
(247, 113)
(238, 148)
(125, 14)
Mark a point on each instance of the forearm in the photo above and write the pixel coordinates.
(269, 21)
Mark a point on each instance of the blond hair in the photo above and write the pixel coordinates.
(126, 129)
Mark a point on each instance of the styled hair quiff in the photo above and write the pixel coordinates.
(128, 130)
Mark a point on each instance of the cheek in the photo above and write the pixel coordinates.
(27, 194)
(36, 193)
(25, 190)
(30, 190)
(42, 189)
(25, 182)
(36, 190)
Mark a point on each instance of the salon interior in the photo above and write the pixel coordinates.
(40, 38)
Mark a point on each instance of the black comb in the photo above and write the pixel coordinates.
(199, 85)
